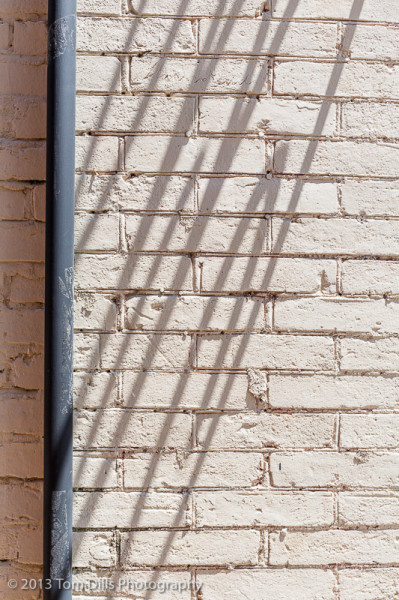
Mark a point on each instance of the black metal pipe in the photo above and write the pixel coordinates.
(57, 547)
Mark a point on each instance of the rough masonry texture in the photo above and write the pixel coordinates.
(237, 282)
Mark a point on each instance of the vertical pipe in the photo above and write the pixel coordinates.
(57, 553)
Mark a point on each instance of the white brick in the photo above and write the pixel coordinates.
(268, 115)
(258, 194)
(110, 428)
(130, 510)
(157, 548)
(368, 510)
(247, 509)
(133, 272)
(246, 8)
(329, 392)
(196, 234)
(334, 546)
(267, 274)
(107, 7)
(94, 311)
(269, 584)
(197, 155)
(336, 236)
(265, 352)
(333, 469)
(370, 277)
(95, 390)
(92, 549)
(379, 42)
(138, 35)
(370, 355)
(370, 197)
(369, 431)
(193, 470)
(100, 192)
(185, 390)
(356, 584)
(336, 314)
(338, 158)
(188, 313)
(96, 153)
(94, 472)
(371, 120)
(96, 232)
(350, 79)
(342, 9)
(86, 351)
(264, 430)
(98, 74)
(134, 113)
(268, 37)
(199, 75)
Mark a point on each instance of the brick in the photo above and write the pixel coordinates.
(112, 428)
(22, 458)
(246, 8)
(195, 234)
(93, 549)
(30, 38)
(378, 198)
(375, 42)
(188, 313)
(96, 153)
(157, 548)
(349, 79)
(196, 155)
(199, 75)
(133, 272)
(356, 584)
(369, 431)
(343, 9)
(268, 115)
(22, 326)
(95, 390)
(334, 546)
(247, 509)
(134, 113)
(335, 469)
(258, 194)
(21, 414)
(18, 572)
(370, 120)
(267, 37)
(370, 355)
(193, 470)
(86, 350)
(138, 35)
(4, 36)
(370, 277)
(342, 314)
(140, 351)
(27, 371)
(22, 161)
(333, 392)
(24, 8)
(340, 158)
(335, 236)
(95, 311)
(12, 203)
(264, 430)
(98, 74)
(94, 472)
(20, 78)
(267, 274)
(138, 193)
(130, 510)
(270, 584)
(265, 351)
(106, 7)
(22, 241)
(21, 503)
(366, 510)
(96, 232)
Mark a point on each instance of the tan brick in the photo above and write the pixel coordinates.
(252, 195)
(343, 9)
(268, 115)
(247, 509)
(30, 38)
(370, 277)
(4, 36)
(17, 78)
(160, 154)
(91, 549)
(96, 153)
(21, 414)
(95, 390)
(333, 546)
(199, 75)
(246, 8)
(264, 430)
(188, 313)
(361, 584)
(333, 392)
(95, 311)
(19, 459)
(111, 428)
(370, 197)
(265, 351)
(193, 470)
(196, 234)
(139, 35)
(96, 232)
(12, 203)
(22, 326)
(370, 355)
(369, 431)
(22, 161)
(268, 37)
(27, 370)
(333, 469)
(98, 74)
(94, 472)
(22, 241)
(21, 503)
(24, 8)
(368, 510)
(157, 548)
(134, 113)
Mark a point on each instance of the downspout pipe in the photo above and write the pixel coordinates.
(57, 546)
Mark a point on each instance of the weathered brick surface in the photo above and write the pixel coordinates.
(237, 283)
